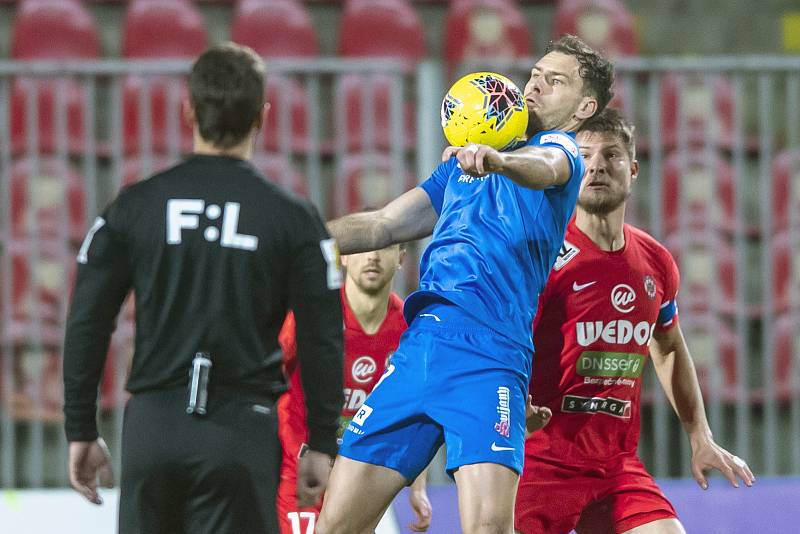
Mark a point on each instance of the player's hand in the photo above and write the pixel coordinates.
(313, 469)
(706, 455)
(476, 160)
(536, 417)
(90, 466)
(423, 511)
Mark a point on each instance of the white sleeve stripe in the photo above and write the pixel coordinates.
(668, 322)
(666, 304)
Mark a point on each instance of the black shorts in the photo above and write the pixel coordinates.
(183, 474)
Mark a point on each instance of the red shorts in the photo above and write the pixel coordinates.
(609, 499)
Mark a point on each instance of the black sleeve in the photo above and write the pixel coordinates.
(103, 280)
(314, 281)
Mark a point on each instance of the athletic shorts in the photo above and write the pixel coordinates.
(452, 380)
(613, 498)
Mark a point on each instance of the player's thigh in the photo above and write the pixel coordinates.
(659, 526)
(550, 498)
(486, 495)
(358, 493)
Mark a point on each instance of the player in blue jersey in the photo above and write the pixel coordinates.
(460, 375)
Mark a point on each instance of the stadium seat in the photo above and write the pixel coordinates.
(786, 189)
(693, 102)
(787, 355)
(365, 181)
(714, 345)
(281, 172)
(159, 29)
(163, 29)
(604, 24)
(381, 28)
(707, 188)
(351, 96)
(785, 273)
(54, 30)
(133, 169)
(708, 276)
(284, 92)
(478, 30)
(41, 277)
(274, 28)
(52, 202)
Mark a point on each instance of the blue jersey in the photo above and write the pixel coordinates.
(495, 242)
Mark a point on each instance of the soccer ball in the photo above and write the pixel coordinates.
(484, 108)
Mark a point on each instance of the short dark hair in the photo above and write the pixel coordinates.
(226, 88)
(611, 121)
(596, 71)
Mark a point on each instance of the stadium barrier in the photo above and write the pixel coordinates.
(720, 185)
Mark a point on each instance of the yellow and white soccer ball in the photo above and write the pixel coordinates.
(484, 108)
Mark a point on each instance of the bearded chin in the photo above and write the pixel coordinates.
(534, 124)
(602, 206)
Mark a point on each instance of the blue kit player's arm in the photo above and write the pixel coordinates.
(408, 217)
(548, 160)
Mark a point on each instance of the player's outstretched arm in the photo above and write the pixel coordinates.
(534, 167)
(676, 372)
(408, 217)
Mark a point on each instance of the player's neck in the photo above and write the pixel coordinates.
(606, 230)
(243, 150)
(370, 310)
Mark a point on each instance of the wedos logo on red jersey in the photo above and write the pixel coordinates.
(621, 298)
(364, 369)
(616, 332)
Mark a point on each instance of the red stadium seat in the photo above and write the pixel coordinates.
(365, 181)
(787, 355)
(706, 270)
(279, 171)
(52, 202)
(163, 109)
(159, 29)
(275, 28)
(284, 93)
(40, 280)
(133, 169)
(707, 189)
(352, 93)
(163, 29)
(381, 28)
(485, 30)
(714, 346)
(785, 189)
(785, 273)
(55, 30)
(696, 102)
(605, 25)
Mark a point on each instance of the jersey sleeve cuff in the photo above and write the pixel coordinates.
(83, 429)
(323, 440)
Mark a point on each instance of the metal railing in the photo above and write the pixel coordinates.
(341, 132)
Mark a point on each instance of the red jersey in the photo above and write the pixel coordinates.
(597, 314)
(365, 358)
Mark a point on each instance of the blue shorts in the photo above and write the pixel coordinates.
(452, 380)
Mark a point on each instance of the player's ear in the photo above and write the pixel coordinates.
(262, 117)
(587, 108)
(188, 113)
(634, 169)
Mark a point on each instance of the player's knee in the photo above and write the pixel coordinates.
(336, 524)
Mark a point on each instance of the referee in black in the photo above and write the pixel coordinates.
(215, 256)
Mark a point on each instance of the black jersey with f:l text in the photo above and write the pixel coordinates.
(215, 256)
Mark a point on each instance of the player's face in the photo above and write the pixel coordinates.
(372, 271)
(554, 93)
(609, 172)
